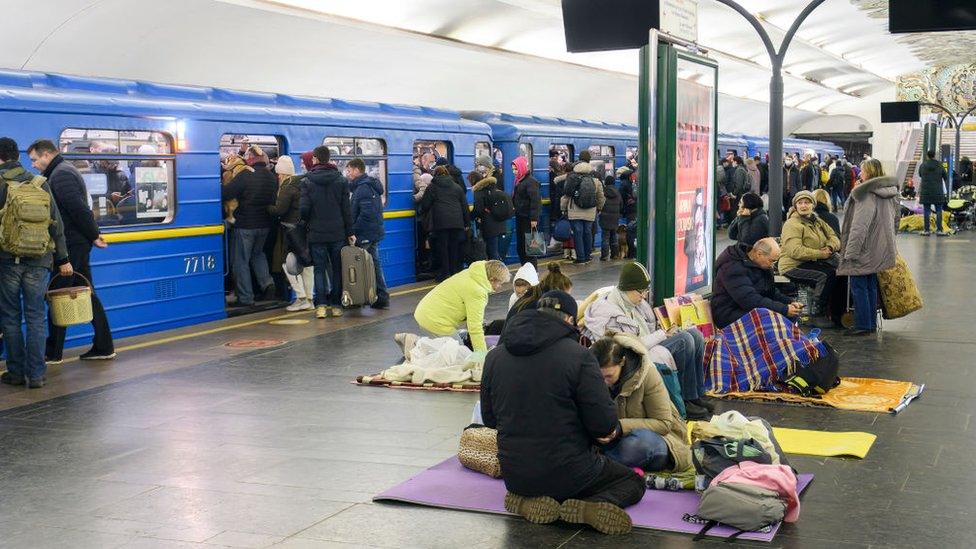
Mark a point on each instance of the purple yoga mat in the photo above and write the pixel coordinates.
(450, 486)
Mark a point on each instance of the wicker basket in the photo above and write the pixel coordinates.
(72, 305)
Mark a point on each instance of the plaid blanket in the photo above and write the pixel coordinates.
(755, 352)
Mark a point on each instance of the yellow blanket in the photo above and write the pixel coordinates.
(818, 443)
(857, 394)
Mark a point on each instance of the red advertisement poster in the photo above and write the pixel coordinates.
(694, 219)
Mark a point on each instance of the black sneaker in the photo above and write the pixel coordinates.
(95, 355)
(35, 383)
(53, 361)
(8, 379)
(269, 294)
(381, 305)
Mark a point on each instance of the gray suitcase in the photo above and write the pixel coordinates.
(358, 277)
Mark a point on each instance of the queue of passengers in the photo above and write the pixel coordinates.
(31, 248)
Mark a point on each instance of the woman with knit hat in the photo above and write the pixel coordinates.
(809, 247)
(751, 223)
(624, 309)
(287, 209)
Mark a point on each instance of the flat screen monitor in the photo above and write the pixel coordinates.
(905, 16)
(900, 111)
(599, 25)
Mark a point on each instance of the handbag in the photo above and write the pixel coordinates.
(478, 450)
(535, 244)
(296, 238)
(562, 231)
(898, 291)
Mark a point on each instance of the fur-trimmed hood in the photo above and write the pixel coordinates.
(885, 186)
(484, 183)
(583, 167)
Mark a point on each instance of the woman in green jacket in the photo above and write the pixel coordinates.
(462, 298)
(809, 247)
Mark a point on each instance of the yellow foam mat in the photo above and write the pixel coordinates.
(824, 443)
(820, 443)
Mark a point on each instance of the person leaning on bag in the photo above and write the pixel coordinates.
(80, 234)
(528, 204)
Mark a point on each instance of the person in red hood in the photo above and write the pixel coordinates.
(528, 204)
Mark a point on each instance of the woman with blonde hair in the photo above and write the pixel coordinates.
(868, 241)
(824, 210)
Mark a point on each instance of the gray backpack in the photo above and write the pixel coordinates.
(744, 507)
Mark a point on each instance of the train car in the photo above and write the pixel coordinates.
(610, 146)
(726, 143)
(150, 154)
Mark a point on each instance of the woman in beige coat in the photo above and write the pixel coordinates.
(654, 435)
(809, 251)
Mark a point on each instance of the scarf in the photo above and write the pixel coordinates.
(631, 311)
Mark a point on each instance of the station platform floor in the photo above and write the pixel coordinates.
(249, 433)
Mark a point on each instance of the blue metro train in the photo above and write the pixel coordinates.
(165, 265)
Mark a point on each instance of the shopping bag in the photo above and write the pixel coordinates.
(899, 293)
(535, 244)
(562, 231)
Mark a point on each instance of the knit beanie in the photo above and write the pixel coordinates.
(285, 165)
(804, 194)
(565, 302)
(486, 162)
(633, 276)
(752, 201)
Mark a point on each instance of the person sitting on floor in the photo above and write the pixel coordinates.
(525, 278)
(655, 436)
(462, 298)
(554, 280)
(625, 310)
(744, 281)
(809, 252)
(544, 394)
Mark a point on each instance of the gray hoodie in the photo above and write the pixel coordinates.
(868, 232)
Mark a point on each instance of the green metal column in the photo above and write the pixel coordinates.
(930, 138)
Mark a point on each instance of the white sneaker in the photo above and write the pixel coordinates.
(307, 305)
(297, 305)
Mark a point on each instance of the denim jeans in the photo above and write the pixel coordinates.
(641, 448)
(609, 244)
(248, 254)
(328, 272)
(837, 196)
(492, 245)
(938, 215)
(28, 282)
(687, 347)
(582, 238)
(864, 294)
(372, 248)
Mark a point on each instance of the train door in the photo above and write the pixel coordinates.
(425, 155)
(241, 273)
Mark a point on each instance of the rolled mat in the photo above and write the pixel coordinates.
(448, 485)
(858, 394)
(377, 380)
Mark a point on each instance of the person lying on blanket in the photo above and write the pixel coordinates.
(544, 394)
(744, 281)
(462, 298)
(654, 435)
(625, 310)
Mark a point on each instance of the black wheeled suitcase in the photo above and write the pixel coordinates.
(358, 277)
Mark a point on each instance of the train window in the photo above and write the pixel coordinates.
(74, 140)
(370, 150)
(499, 157)
(426, 153)
(482, 148)
(632, 155)
(565, 152)
(525, 150)
(237, 143)
(130, 175)
(601, 158)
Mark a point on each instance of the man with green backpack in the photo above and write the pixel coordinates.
(31, 241)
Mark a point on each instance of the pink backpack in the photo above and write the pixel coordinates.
(776, 478)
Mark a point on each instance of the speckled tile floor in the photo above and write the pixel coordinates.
(277, 448)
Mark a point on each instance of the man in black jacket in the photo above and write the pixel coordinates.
(744, 281)
(545, 395)
(327, 210)
(255, 190)
(80, 234)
